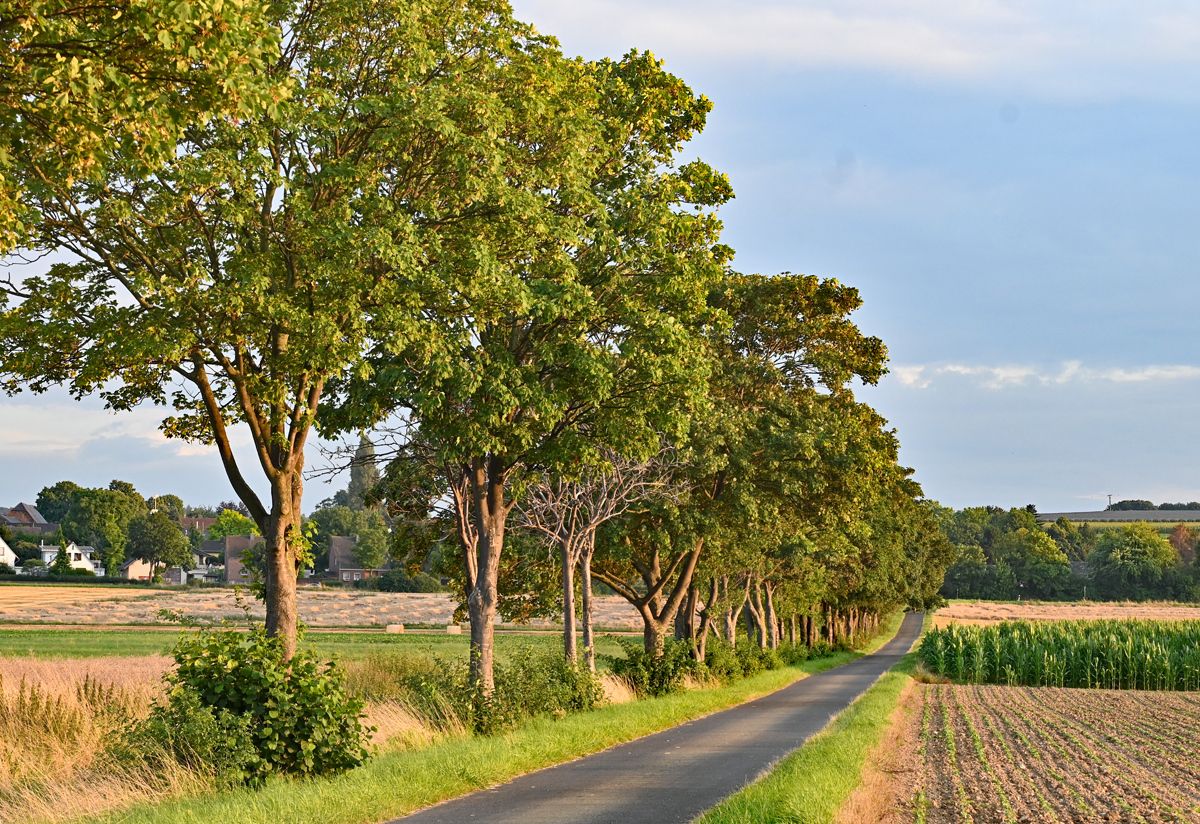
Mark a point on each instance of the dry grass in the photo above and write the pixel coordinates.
(874, 800)
(56, 718)
(986, 612)
(616, 689)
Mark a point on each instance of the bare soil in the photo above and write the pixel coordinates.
(983, 612)
(318, 608)
(1019, 754)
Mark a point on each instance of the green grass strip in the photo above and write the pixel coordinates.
(810, 785)
(399, 783)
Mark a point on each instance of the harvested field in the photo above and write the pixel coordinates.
(33, 604)
(983, 612)
(1020, 754)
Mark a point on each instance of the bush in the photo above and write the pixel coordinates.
(300, 716)
(661, 675)
(722, 661)
(5, 569)
(793, 654)
(395, 580)
(754, 659)
(205, 740)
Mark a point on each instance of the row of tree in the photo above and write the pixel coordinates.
(1135, 505)
(1009, 554)
(422, 218)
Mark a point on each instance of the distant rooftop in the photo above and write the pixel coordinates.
(1172, 515)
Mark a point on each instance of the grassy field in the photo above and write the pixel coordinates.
(100, 643)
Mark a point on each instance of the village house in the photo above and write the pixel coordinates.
(79, 557)
(230, 548)
(26, 519)
(344, 566)
(204, 567)
(7, 556)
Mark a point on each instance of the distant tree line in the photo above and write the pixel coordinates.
(1006, 554)
(1133, 505)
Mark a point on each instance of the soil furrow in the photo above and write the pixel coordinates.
(1013, 755)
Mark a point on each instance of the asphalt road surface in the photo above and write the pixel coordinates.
(676, 774)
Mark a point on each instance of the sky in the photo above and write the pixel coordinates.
(1012, 186)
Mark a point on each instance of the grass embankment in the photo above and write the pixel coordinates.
(399, 783)
(811, 785)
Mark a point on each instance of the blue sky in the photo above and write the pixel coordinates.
(1012, 185)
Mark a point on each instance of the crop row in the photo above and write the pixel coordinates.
(1125, 654)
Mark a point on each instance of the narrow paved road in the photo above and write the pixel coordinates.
(676, 774)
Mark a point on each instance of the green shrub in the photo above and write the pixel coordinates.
(722, 661)
(201, 738)
(655, 675)
(5, 569)
(300, 716)
(793, 654)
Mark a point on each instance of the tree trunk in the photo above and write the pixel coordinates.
(772, 618)
(589, 643)
(792, 630)
(706, 620)
(281, 561)
(728, 614)
(656, 608)
(488, 480)
(652, 630)
(681, 622)
(568, 585)
(760, 616)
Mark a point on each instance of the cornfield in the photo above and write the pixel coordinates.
(1126, 654)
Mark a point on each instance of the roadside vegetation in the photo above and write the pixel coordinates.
(421, 226)
(108, 733)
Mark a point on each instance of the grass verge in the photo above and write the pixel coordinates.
(811, 785)
(399, 783)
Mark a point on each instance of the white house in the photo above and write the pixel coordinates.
(7, 556)
(80, 557)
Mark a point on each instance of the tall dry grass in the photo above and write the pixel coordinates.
(60, 719)
(57, 719)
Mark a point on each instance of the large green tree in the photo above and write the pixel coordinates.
(54, 501)
(573, 326)
(1131, 561)
(80, 81)
(271, 252)
(101, 517)
(158, 540)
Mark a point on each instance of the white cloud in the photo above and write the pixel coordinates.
(1100, 46)
(998, 377)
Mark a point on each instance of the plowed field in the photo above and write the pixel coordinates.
(1018, 754)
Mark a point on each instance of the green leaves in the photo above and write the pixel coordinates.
(299, 717)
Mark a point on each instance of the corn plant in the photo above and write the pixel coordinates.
(1127, 654)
